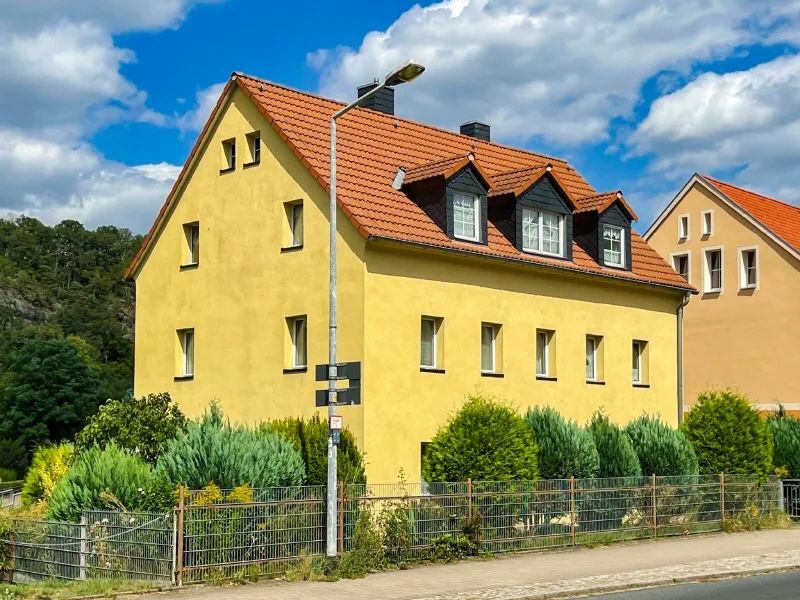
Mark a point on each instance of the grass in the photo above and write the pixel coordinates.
(63, 590)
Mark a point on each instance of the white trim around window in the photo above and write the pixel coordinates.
(538, 229)
(299, 343)
(707, 223)
(466, 217)
(745, 269)
(488, 348)
(428, 344)
(543, 353)
(591, 358)
(687, 254)
(187, 351)
(610, 254)
(637, 351)
(709, 269)
(684, 227)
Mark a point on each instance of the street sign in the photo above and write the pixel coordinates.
(336, 422)
(349, 370)
(344, 396)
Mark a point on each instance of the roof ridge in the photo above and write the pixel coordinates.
(762, 196)
(598, 194)
(417, 123)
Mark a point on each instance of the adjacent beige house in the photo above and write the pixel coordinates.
(741, 250)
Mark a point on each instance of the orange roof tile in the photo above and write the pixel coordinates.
(371, 148)
(445, 168)
(780, 218)
(601, 202)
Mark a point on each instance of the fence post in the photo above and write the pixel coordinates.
(469, 498)
(340, 514)
(12, 547)
(655, 506)
(82, 556)
(179, 538)
(572, 515)
(173, 576)
(781, 499)
(722, 498)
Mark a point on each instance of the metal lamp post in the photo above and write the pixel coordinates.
(403, 74)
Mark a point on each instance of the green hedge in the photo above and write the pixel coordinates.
(617, 456)
(565, 448)
(661, 450)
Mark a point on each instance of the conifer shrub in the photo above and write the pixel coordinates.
(661, 450)
(785, 431)
(7, 475)
(310, 438)
(617, 455)
(13, 457)
(101, 478)
(211, 450)
(48, 466)
(565, 448)
(486, 440)
(728, 435)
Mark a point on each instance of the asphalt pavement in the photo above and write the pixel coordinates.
(778, 586)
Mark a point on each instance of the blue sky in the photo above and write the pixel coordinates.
(101, 100)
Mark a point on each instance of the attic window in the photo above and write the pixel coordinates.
(228, 155)
(613, 246)
(542, 232)
(466, 215)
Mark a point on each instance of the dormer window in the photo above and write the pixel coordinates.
(542, 232)
(613, 246)
(466, 215)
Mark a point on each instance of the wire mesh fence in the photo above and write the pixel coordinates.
(791, 497)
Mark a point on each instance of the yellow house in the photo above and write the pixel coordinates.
(742, 250)
(464, 266)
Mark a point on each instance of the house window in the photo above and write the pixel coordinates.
(229, 154)
(708, 222)
(613, 246)
(488, 348)
(683, 227)
(187, 352)
(637, 362)
(192, 233)
(297, 224)
(591, 358)
(748, 268)
(466, 215)
(713, 271)
(543, 353)
(680, 262)
(542, 232)
(254, 146)
(299, 342)
(428, 344)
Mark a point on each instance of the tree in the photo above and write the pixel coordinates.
(141, 426)
(50, 393)
(565, 449)
(728, 435)
(13, 457)
(785, 431)
(486, 440)
(617, 456)
(662, 451)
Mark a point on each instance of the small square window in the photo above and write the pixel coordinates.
(254, 147)
(466, 217)
(187, 352)
(544, 353)
(683, 227)
(488, 348)
(191, 232)
(613, 246)
(299, 335)
(708, 222)
(748, 268)
(229, 155)
(713, 271)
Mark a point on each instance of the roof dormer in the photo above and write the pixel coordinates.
(603, 229)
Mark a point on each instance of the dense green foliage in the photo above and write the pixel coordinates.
(100, 478)
(212, 450)
(565, 449)
(48, 466)
(310, 438)
(617, 456)
(785, 431)
(662, 451)
(728, 435)
(7, 475)
(141, 426)
(13, 457)
(486, 440)
(49, 392)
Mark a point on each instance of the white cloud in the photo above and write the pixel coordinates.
(556, 70)
(205, 100)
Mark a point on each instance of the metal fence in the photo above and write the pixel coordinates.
(791, 497)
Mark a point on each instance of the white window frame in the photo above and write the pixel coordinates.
(540, 228)
(707, 289)
(433, 366)
(688, 218)
(743, 285)
(188, 365)
(545, 353)
(296, 322)
(293, 225)
(593, 340)
(254, 146)
(476, 204)
(621, 264)
(688, 255)
(494, 348)
(192, 244)
(230, 154)
(637, 351)
(703, 232)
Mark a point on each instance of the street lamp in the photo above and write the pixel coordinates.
(405, 73)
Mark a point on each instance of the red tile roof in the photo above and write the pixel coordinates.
(780, 218)
(371, 148)
(443, 168)
(601, 202)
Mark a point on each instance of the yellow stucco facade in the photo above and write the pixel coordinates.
(246, 285)
(739, 338)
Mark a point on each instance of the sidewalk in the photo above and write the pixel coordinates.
(546, 574)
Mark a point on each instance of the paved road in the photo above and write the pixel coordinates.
(780, 586)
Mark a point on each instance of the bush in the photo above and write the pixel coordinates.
(617, 456)
(662, 451)
(100, 478)
(486, 440)
(48, 466)
(310, 438)
(785, 431)
(140, 425)
(7, 475)
(13, 457)
(211, 450)
(728, 435)
(565, 449)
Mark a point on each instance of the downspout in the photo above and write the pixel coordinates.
(683, 303)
